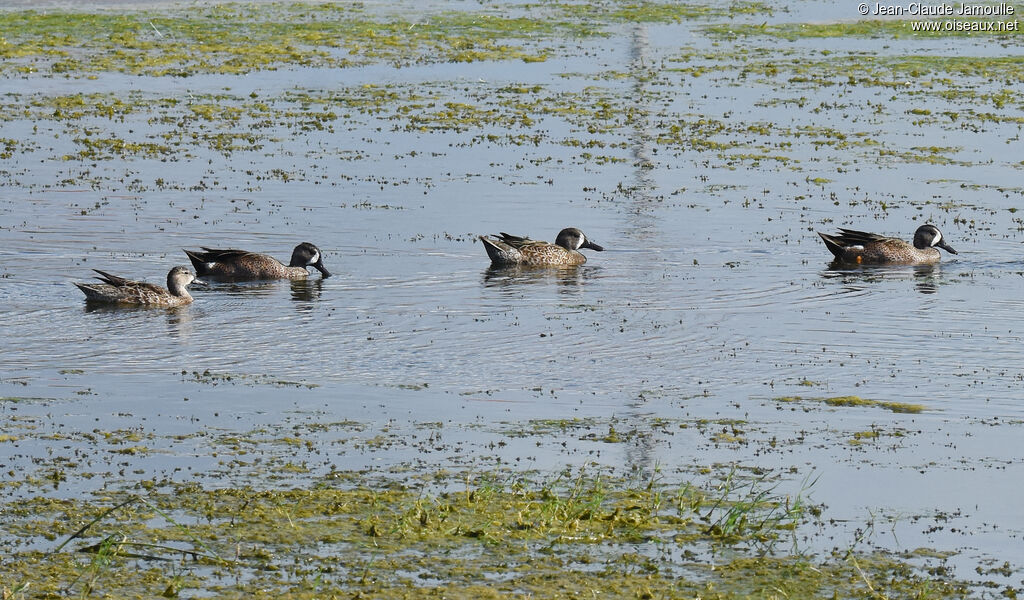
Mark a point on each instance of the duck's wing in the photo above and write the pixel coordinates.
(221, 255)
(127, 285)
(205, 262)
(518, 242)
(852, 237)
(114, 280)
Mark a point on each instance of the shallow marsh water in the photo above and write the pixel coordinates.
(702, 148)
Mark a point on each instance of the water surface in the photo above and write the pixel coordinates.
(714, 298)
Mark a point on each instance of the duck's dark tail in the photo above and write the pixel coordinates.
(833, 244)
(494, 251)
(199, 261)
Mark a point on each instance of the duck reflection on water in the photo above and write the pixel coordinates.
(306, 290)
(512, 278)
(925, 275)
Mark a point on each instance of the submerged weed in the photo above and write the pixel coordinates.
(464, 533)
(857, 401)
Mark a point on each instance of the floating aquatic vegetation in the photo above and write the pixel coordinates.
(464, 533)
(856, 401)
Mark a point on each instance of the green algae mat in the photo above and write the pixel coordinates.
(489, 535)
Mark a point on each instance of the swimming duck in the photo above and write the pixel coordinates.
(242, 265)
(858, 247)
(514, 250)
(118, 290)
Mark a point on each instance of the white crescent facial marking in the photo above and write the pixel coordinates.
(315, 259)
(583, 240)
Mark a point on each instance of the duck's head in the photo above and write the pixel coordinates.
(179, 278)
(928, 236)
(573, 239)
(308, 255)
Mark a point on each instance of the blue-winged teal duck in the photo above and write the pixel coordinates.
(514, 250)
(858, 247)
(242, 265)
(118, 290)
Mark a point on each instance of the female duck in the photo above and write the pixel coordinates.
(240, 265)
(514, 250)
(858, 247)
(118, 290)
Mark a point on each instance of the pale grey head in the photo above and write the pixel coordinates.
(929, 236)
(308, 255)
(571, 238)
(179, 278)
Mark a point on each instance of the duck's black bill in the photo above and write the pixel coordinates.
(946, 247)
(323, 270)
(592, 246)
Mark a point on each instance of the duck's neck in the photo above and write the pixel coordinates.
(176, 288)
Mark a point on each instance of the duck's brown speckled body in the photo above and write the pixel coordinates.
(506, 249)
(858, 247)
(118, 290)
(240, 265)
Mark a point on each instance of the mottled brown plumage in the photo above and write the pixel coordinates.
(508, 249)
(858, 247)
(240, 265)
(118, 290)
